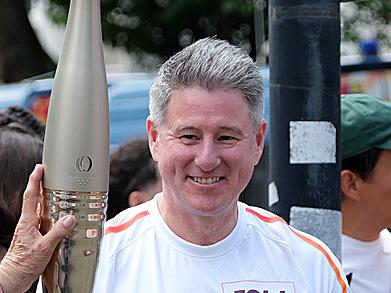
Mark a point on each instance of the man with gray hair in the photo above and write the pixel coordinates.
(206, 132)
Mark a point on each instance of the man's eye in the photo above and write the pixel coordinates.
(188, 138)
(227, 138)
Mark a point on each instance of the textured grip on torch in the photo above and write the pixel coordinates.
(73, 265)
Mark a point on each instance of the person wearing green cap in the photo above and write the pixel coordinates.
(366, 192)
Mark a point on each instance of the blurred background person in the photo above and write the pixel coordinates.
(134, 177)
(366, 192)
(21, 142)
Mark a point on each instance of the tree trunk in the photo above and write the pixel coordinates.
(21, 54)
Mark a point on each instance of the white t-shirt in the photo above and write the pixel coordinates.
(368, 264)
(140, 254)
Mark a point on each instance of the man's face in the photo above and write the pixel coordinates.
(206, 150)
(376, 190)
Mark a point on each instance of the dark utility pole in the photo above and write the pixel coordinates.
(304, 38)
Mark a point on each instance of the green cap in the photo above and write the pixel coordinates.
(365, 124)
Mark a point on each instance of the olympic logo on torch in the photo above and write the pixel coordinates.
(84, 163)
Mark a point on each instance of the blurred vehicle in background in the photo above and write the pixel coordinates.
(367, 73)
(128, 102)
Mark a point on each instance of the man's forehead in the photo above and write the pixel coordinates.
(180, 127)
(194, 97)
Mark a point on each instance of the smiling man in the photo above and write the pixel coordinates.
(206, 132)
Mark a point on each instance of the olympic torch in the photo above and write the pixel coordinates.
(76, 151)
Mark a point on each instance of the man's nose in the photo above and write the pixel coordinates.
(208, 156)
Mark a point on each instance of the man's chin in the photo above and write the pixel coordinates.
(208, 208)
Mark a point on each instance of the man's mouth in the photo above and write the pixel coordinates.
(209, 180)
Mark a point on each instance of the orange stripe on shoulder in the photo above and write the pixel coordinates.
(326, 254)
(306, 239)
(265, 218)
(124, 226)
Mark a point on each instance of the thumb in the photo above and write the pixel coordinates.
(62, 228)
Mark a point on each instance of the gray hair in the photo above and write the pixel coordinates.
(210, 64)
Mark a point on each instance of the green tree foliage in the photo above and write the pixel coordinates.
(163, 27)
(367, 19)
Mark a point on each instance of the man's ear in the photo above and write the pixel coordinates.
(350, 184)
(152, 137)
(137, 197)
(260, 140)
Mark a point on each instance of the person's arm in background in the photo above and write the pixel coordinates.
(30, 252)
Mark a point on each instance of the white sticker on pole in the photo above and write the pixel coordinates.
(273, 194)
(312, 142)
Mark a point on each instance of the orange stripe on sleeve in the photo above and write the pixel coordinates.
(306, 239)
(326, 254)
(124, 226)
(266, 219)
